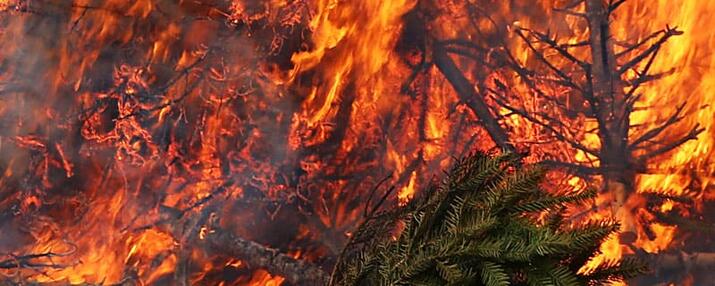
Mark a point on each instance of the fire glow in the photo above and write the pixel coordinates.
(129, 129)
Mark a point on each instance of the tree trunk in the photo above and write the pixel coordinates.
(612, 115)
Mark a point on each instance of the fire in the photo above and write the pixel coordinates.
(408, 191)
(350, 40)
(105, 248)
(129, 130)
(610, 249)
(266, 279)
(691, 62)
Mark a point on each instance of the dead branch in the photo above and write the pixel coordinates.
(475, 101)
(581, 169)
(572, 12)
(528, 77)
(540, 56)
(675, 118)
(547, 125)
(613, 6)
(632, 47)
(546, 39)
(644, 77)
(667, 34)
(692, 135)
(32, 261)
(163, 90)
(464, 53)
(295, 271)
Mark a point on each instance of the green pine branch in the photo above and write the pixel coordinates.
(478, 227)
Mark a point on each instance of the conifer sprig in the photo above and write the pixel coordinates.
(478, 227)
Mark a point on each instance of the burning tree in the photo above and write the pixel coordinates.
(161, 140)
(580, 87)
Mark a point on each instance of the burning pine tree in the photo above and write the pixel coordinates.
(578, 86)
(157, 140)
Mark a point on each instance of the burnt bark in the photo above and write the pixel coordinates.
(469, 95)
(295, 271)
(609, 103)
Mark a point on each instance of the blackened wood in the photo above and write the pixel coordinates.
(475, 101)
(295, 271)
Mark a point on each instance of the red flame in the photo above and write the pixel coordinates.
(118, 118)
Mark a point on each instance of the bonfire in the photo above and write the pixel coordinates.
(246, 142)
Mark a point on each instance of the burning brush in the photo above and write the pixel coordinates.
(247, 142)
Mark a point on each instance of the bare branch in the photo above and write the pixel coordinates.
(612, 6)
(692, 135)
(31, 260)
(546, 125)
(526, 75)
(657, 131)
(580, 169)
(295, 271)
(475, 101)
(637, 45)
(463, 52)
(184, 73)
(571, 12)
(463, 43)
(646, 78)
(542, 58)
(545, 38)
(668, 33)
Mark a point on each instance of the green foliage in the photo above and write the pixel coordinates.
(479, 226)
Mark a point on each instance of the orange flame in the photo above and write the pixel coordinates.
(147, 107)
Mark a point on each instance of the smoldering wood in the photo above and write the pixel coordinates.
(295, 271)
(261, 256)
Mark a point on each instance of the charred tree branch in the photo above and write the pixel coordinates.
(295, 271)
(546, 125)
(546, 38)
(613, 6)
(32, 260)
(692, 135)
(667, 34)
(475, 101)
(527, 76)
(580, 169)
(645, 78)
(657, 131)
(571, 12)
(637, 45)
(540, 55)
